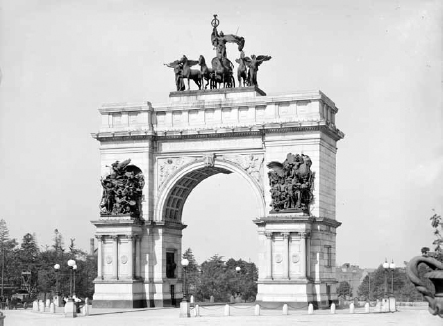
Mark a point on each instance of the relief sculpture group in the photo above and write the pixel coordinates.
(122, 190)
(291, 183)
(221, 72)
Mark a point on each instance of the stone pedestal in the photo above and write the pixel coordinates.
(70, 309)
(392, 304)
(185, 309)
(57, 300)
(116, 285)
(290, 244)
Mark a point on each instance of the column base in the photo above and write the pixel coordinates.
(70, 309)
(185, 309)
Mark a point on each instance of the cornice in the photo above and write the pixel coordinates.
(327, 221)
(221, 132)
(120, 220)
(165, 224)
(287, 218)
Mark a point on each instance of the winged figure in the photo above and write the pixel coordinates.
(253, 63)
(178, 70)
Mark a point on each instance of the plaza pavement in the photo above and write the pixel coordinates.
(213, 315)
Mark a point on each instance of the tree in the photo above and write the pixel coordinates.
(28, 256)
(192, 272)
(7, 260)
(58, 241)
(437, 224)
(243, 282)
(214, 281)
(344, 289)
(221, 280)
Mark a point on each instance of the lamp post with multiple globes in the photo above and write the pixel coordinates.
(389, 295)
(184, 304)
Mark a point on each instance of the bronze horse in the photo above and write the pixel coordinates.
(223, 71)
(242, 70)
(207, 73)
(189, 73)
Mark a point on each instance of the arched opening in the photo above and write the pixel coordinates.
(219, 214)
(176, 190)
(176, 199)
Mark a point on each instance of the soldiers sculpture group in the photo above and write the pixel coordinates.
(221, 72)
(291, 183)
(122, 190)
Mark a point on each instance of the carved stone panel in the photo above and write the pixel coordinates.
(251, 163)
(167, 166)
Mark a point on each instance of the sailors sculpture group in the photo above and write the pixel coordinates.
(221, 70)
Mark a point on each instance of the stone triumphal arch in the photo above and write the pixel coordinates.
(154, 155)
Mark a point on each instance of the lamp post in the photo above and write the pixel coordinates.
(392, 267)
(185, 264)
(57, 287)
(237, 272)
(184, 304)
(386, 267)
(74, 269)
(71, 264)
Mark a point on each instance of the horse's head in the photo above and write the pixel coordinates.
(201, 60)
(183, 59)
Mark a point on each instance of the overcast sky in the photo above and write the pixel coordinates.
(379, 61)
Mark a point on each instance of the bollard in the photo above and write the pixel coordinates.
(47, 303)
(257, 310)
(333, 308)
(367, 307)
(192, 299)
(2, 319)
(52, 308)
(227, 310)
(231, 299)
(378, 306)
(310, 309)
(211, 299)
(86, 308)
(35, 305)
(351, 308)
(392, 304)
(196, 311)
(285, 309)
(70, 309)
(41, 306)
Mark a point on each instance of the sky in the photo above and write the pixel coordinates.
(379, 61)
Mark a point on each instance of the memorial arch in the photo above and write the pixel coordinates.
(163, 151)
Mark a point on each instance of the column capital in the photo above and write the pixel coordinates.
(305, 235)
(100, 237)
(114, 237)
(285, 235)
(268, 235)
(130, 237)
